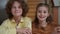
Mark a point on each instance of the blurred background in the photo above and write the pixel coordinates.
(3, 14)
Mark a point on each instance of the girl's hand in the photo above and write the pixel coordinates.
(56, 30)
(23, 31)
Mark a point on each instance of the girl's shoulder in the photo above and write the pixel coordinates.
(27, 19)
(5, 22)
(52, 24)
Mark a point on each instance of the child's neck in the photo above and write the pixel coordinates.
(17, 19)
(43, 23)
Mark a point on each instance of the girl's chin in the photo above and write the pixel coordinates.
(41, 20)
(17, 15)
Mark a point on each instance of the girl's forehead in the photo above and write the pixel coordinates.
(57, 27)
(42, 7)
(16, 3)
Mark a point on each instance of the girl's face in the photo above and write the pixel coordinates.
(42, 13)
(16, 9)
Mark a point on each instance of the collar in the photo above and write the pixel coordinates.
(13, 21)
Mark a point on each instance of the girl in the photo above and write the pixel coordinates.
(16, 23)
(43, 20)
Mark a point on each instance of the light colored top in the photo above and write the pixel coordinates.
(9, 26)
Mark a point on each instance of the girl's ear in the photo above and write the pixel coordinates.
(48, 14)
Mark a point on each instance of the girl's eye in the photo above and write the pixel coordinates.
(13, 7)
(19, 7)
(39, 11)
(44, 11)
